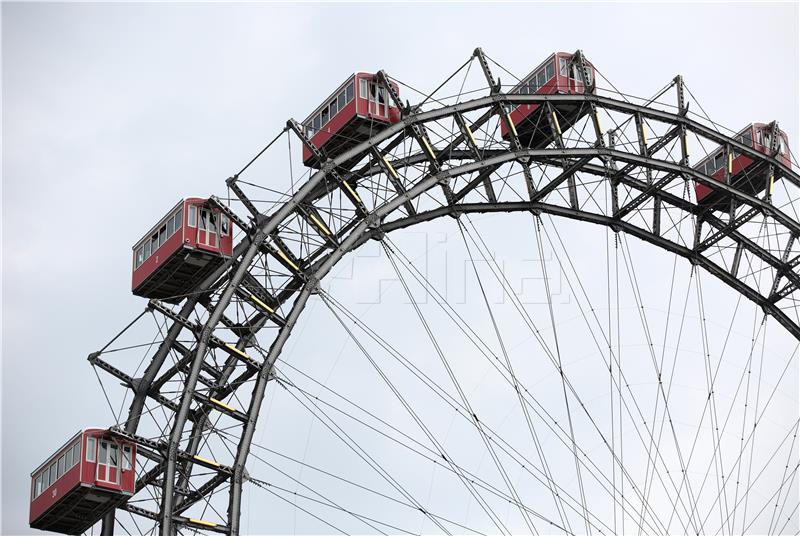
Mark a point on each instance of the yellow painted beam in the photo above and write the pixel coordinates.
(556, 123)
(319, 224)
(261, 304)
(288, 261)
(352, 192)
(390, 168)
(232, 348)
(428, 147)
(206, 461)
(222, 404)
(202, 522)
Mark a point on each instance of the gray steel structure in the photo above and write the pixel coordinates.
(639, 187)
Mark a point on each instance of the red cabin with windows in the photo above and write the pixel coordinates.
(190, 242)
(745, 176)
(91, 474)
(358, 109)
(557, 74)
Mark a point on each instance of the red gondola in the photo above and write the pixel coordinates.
(358, 109)
(743, 174)
(557, 74)
(91, 474)
(189, 243)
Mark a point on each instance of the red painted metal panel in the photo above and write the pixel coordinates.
(358, 107)
(54, 492)
(156, 259)
(185, 237)
(83, 473)
(739, 162)
(558, 84)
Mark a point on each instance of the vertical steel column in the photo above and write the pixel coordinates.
(168, 492)
(143, 387)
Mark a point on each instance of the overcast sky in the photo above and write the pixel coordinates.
(111, 113)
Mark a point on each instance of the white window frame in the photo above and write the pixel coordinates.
(91, 449)
(139, 256)
(192, 218)
(178, 220)
(225, 224)
(127, 457)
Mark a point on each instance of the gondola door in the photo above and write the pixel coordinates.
(207, 229)
(108, 462)
(378, 100)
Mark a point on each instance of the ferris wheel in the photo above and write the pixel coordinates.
(611, 415)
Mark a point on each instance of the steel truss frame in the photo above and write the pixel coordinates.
(444, 161)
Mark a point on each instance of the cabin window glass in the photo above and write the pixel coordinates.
(341, 100)
(76, 453)
(349, 92)
(324, 116)
(170, 227)
(102, 453)
(45, 479)
(747, 138)
(362, 88)
(37, 487)
(203, 223)
(91, 448)
(139, 256)
(212, 222)
(550, 70)
(162, 235)
(718, 161)
(224, 225)
(147, 250)
(68, 459)
(192, 216)
(112, 455)
(179, 219)
(60, 467)
(154, 243)
(542, 78)
(53, 473)
(332, 107)
(562, 66)
(126, 457)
